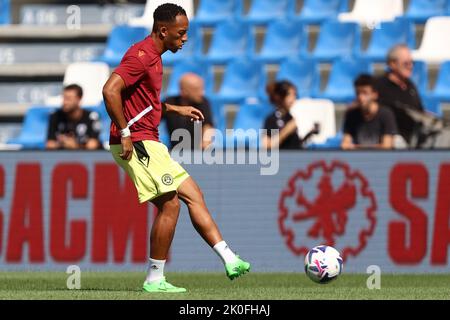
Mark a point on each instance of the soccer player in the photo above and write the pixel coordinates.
(132, 100)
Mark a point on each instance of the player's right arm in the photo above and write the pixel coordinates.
(112, 94)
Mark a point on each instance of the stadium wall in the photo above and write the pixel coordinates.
(390, 209)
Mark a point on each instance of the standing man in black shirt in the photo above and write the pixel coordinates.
(72, 127)
(398, 92)
(368, 125)
(192, 93)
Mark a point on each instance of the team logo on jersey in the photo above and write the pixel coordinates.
(167, 179)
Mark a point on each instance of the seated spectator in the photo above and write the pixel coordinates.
(72, 127)
(398, 92)
(282, 95)
(192, 90)
(368, 125)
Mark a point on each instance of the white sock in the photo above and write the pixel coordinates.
(155, 270)
(224, 252)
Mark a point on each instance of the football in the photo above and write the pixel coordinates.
(323, 264)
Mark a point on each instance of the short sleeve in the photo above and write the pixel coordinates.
(51, 132)
(131, 70)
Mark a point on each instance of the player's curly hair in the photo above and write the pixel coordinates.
(166, 12)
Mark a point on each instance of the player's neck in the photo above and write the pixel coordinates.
(158, 43)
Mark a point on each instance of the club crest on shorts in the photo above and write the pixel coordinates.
(167, 179)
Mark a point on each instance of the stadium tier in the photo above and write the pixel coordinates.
(321, 46)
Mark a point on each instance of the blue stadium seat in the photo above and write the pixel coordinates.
(317, 11)
(441, 90)
(182, 67)
(243, 79)
(386, 36)
(119, 40)
(420, 10)
(340, 83)
(219, 116)
(231, 39)
(250, 117)
(164, 136)
(211, 12)
(5, 12)
(34, 129)
(192, 48)
(420, 76)
(433, 105)
(283, 38)
(302, 73)
(264, 11)
(218, 113)
(331, 143)
(337, 40)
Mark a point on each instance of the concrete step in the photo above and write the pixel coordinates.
(33, 70)
(81, 14)
(28, 92)
(61, 53)
(13, 33)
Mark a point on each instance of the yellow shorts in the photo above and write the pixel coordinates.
(151, 169)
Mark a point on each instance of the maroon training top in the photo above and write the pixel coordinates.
(141, 69)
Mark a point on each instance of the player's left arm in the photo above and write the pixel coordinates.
(190, 112)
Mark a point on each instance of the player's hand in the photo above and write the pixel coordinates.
(127, 148)
(192, 113)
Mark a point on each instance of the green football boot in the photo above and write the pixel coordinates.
(161, 285)
(236, 269)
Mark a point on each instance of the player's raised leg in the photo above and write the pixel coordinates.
(163, 230)
(191, 194)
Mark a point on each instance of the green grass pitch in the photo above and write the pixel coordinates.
(201, 286)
